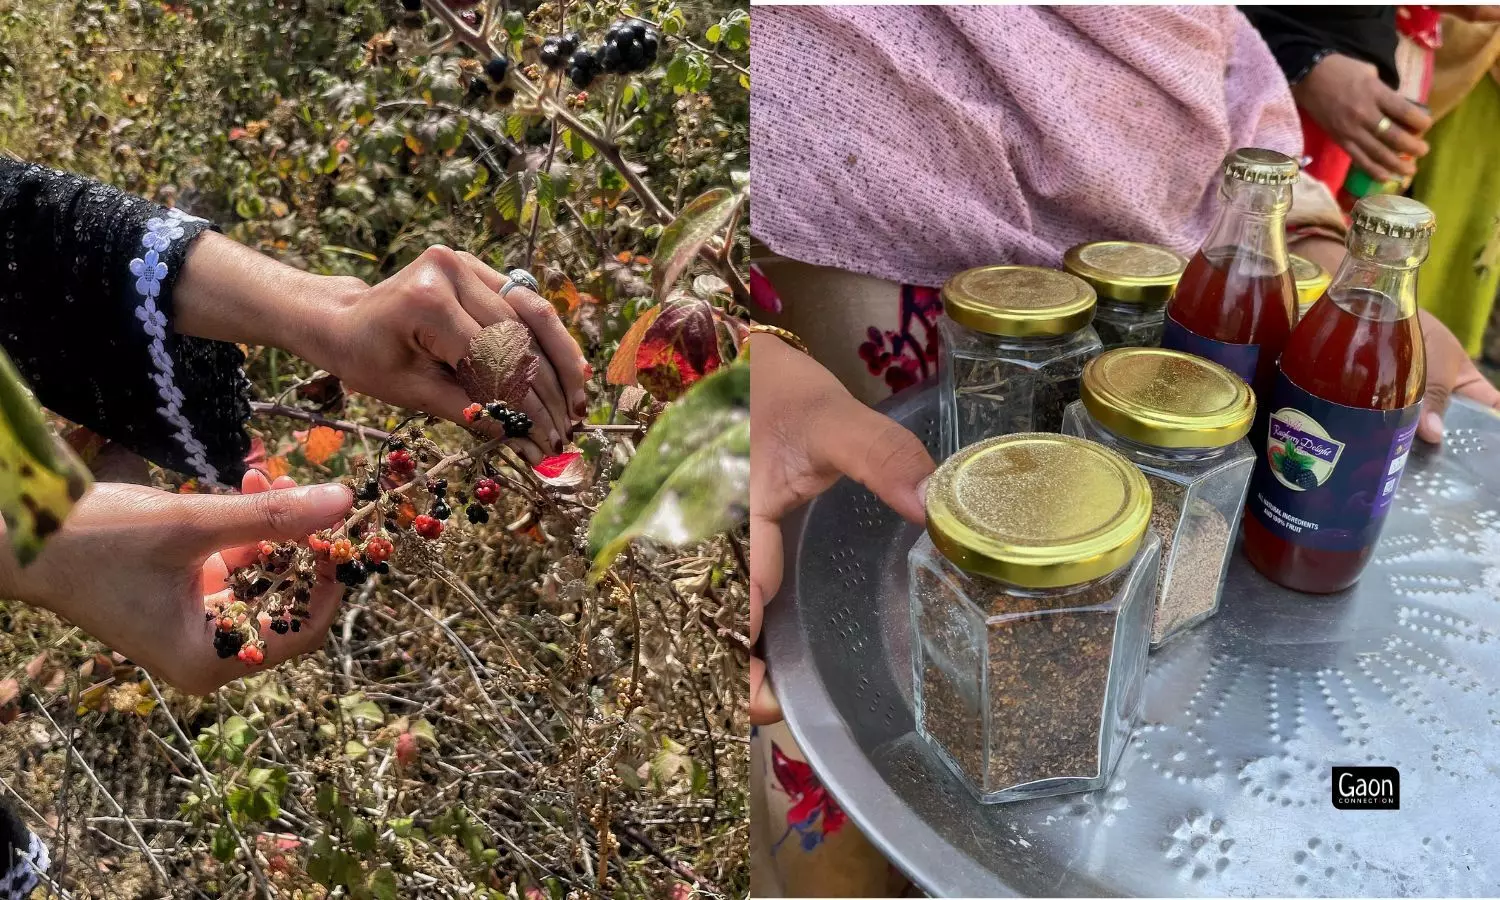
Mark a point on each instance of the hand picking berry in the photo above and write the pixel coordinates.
(428, 527)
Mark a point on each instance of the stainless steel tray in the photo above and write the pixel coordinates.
(1225, 786)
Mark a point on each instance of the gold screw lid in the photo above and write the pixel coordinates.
(1127, 271)
(1167, 399)
(1019, 301)
(1312, 279)
(1394, 215)
(1038, 510)
(1260, 166)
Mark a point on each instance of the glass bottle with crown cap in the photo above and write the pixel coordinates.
(1182, 420)
(1344, 410)
(1236, 302)
(1015, 339)
(1134, 281)
(1031, 597)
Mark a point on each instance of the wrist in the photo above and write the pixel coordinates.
(317, 323)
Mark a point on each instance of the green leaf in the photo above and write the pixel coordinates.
(673, 22)
(383, 885)
(362, 836)
(515, 128)
(421, 729)
(690, 478)
(223, 844)
(508, 198)
(581, 149)
(40, 478)
(515, 24)
(355, 750)
(320, 861)
(698, 222)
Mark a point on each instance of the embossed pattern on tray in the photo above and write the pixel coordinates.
(1224, 788)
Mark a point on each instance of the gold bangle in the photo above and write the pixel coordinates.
(782, 333)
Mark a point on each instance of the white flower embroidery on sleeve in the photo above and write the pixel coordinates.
(150, 272)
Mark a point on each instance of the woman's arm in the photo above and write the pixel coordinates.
(123, 316)
(86, 280)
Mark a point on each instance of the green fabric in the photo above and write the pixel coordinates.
(1460, 180)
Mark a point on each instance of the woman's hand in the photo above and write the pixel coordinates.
(1449, 371)
(807, 430)
(399, 340)
(1373, 123)
(132, 566)
(402, 339)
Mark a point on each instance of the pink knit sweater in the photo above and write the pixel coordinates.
(909, 143)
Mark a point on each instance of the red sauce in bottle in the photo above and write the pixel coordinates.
(1359, 353)
(1344, 409)
(1228, 297)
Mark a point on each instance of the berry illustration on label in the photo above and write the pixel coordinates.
(1301, 453)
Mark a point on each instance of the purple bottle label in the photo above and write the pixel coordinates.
(1237, 358)
(1329, 473)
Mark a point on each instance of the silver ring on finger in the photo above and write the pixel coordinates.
(1383, 125)
(519, 277)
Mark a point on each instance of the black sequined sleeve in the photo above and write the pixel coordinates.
(86, 280)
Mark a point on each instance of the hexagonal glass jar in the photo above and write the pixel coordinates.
(1134, 281)
(1015, 339)
(1030, 608)
(1182, 421)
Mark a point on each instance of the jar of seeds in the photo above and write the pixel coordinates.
(1134, 282)
(1312, 280)
(1015, 339)
(1031, 606)
(1182, 420)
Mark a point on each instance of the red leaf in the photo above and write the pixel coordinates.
(679, 348)
(622, 367)
(562, 470)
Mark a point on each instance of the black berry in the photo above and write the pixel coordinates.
(650, 44)
(505, 96)
(478, 88)
(518, 426)
(583, 58)
(440, 511)
(296, 625)
(637, 30)
(440, 487)
(496, 68)
(383, 567)
(396, 444)
(569, 42)
(228, 643)
(351, 573)
(280, 626)
(496, 410)
(370, 490)
(551, 53)
(411, 5)
(478, 515)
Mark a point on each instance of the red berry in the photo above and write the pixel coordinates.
(342, 550)
(267, 549)
(473, 412)
(378, 549)
(252, 655)
(428, 527)
(407, 750)
(400, 462)
(486, 490)
(225, 623)
(319, 544)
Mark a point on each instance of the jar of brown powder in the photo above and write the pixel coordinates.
(1134, 281)
(1182, 420)
(1015, 339)
(1031, 605)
